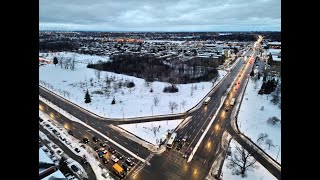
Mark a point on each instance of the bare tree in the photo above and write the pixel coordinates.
(172, 106)
(72, 64)
(183, 103)
(269, 143)
(273, 120)
(61, 62)
(241, 161)
(97, 73)
(261, 137)
(155, 101)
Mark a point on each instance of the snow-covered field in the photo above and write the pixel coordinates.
(252, 121)
(130, 102)
(259, 173)
(152, 132)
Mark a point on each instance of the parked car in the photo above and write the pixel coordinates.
(70, 132)
(129, 162)
(59, 152)
(95, 148)
(118, 155)
(179, 138)
(100, 154)
(114, 158)
(111, 150)
(103, 144)
(77, 150)
(74, 168)
(125, 167)
(85, 140)
(95, 139)
(105, 160)
(84, 161)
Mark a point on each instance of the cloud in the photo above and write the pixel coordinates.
(160, 15)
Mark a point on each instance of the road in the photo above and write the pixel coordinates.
(170, 164)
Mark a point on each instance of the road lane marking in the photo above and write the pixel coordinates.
(125, 143)
(99, 127)
(115, 137)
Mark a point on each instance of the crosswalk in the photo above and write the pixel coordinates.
(141, 166)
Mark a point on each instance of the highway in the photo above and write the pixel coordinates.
(170, 164)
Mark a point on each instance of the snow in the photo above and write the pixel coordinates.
(152, 131)
(252, 121)
(43, 157)
(55, 175)
(260, 173)
(130, 102)
(164, 41)
(89, 153)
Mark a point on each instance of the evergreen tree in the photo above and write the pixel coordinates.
(87, 97)
(113, 101)
(55, 61)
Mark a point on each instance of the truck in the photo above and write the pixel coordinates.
(206, 101)
(118, 170)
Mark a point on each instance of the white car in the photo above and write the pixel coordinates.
(114, 158)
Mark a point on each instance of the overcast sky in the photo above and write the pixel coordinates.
(160, 15)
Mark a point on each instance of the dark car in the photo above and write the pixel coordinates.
(179, 138)
(95, 148)
(70, 132)
(84, 161)
(185, 138)
(54, 131)
(95, 139)
(105, 160)
(103, 144)
(77, 150)
(126, 167)
(85, 140)
(129, 162)
(119, 156)
(226, 110)
(40, 119)
(100, 154)
(179, 146)
(74, 168)
(112, 150)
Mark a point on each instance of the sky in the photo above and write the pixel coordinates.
(160, 15)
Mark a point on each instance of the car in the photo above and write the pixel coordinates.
(185, 137)
(118, 155)
(60, 152)
(105, 151)
(103, 144)
(125, 167)
(179, 146)
(95, 139)
(54, 131)
(226, 109)
(77, 150)
(85, 140)
(68, 143)
(62, 138)
(114, 158)
(95, 148)
(40, 119)
(100, 154)
(110, 149)
(74, 168)
(84, 161)
(179, 138)
(101, 149)
(105, 160)
(129, 162)
(54, 146)
(70, 132)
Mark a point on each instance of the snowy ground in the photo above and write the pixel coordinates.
(260, 173)
(73, 143)
(152, 132)
(130, 102)
(252, 121)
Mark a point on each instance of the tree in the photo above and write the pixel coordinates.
(172, 106)
(87, 97)
(183, 103)
(241, 161)
(151, 90)
(55, 61)
(155, 101)
(262, 108)
(273, 120)
(61, 62)
(97, 73)
(261, 137)
(269, 143)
